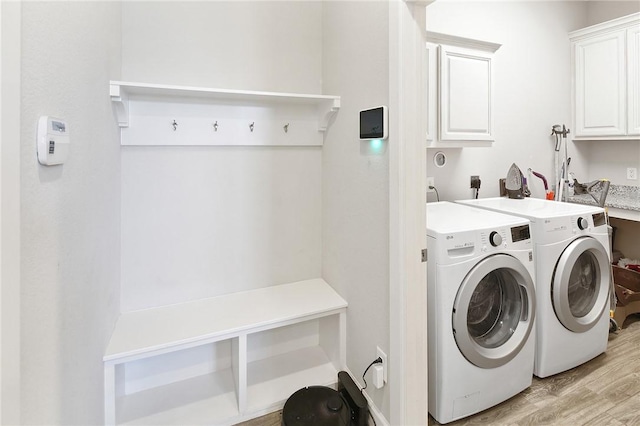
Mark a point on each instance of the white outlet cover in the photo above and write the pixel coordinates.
(382, 355)
(431, 182)
(632, 173)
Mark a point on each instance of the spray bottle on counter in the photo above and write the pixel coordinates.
(570, 188)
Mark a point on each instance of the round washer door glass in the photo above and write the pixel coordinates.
(583, 284)
(580, 287)
(493, 311)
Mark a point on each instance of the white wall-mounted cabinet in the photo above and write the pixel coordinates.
(605, 88)
(633, 72)
(460, 91)
(153, 114)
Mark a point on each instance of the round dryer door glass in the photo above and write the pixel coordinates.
(495, 309)
(580, 286)
(583, 284)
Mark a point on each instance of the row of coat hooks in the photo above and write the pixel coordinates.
(215, 126)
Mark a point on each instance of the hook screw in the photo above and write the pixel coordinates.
(251, 126)
(215, 126)
(286, 128)
(175, 125)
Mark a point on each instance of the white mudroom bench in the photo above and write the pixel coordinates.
(269, 342)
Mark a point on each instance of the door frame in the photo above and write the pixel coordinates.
(407, 209)
(10, 32)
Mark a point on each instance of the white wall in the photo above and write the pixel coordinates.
(610, 159)
(532, 90)
(203, 221)
(355, 198)
(70, 213)
(600, 11)
(251, 45)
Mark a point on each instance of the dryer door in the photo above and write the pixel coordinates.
(494, 310)
(580, 286)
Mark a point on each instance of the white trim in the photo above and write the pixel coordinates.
(10, 213)
(1, 200)
(624, 214)
(407, 234)
(457, 41)
(612, 25)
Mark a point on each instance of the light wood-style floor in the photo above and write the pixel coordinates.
(603, 392)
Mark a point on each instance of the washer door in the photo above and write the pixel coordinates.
(580, 286)
(494, 310)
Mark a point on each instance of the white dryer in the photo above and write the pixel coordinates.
(572, 279)
(481, 308)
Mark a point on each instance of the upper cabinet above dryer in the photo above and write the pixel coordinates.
(459, 91)
(606, 89)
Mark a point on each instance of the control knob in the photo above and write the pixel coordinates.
(582, 223)
(495, 239)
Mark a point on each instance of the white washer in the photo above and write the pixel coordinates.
(572, 279)
(481, 309)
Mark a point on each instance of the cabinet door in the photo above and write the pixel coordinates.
(431, 68)
(600, 85)
(633, 81)
(466, 95)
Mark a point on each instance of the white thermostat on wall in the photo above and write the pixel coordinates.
(374, 123)
(52, 140)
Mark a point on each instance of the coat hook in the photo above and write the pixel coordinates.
(286, 128)
(215, 126)
(252, 125)
(175, 125)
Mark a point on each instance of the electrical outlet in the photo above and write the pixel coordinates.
(475, 182)
(431, 182)
(383, 356)
(632, 173)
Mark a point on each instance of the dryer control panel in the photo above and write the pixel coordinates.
(588, 222)
(517, 237)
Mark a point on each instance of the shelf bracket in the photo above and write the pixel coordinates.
(326, 111)
(121, 104)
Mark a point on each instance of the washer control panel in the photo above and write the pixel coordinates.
(520, 233)
(506, 238)
(582, 223)
(495, 239)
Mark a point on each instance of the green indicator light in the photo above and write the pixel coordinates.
(376, 145)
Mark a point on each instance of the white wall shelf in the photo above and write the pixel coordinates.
(260, 372)
(146, 114)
